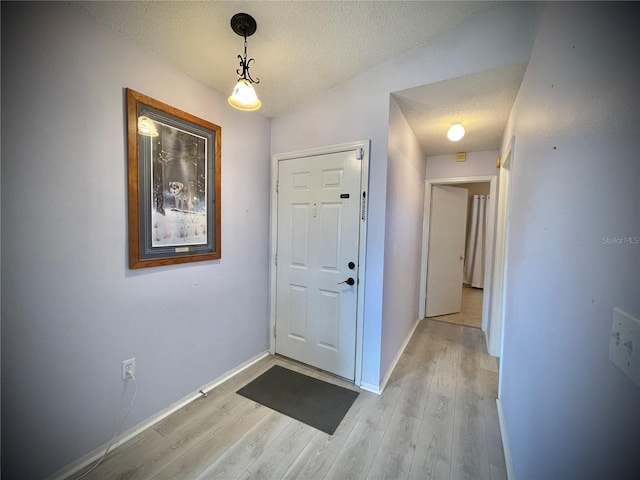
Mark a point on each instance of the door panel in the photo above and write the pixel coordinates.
(300, 235)
(298, 303)
(328, 334)
(330, 236)
(448, 220)
(318, 235)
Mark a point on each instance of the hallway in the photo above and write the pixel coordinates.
(436, 419)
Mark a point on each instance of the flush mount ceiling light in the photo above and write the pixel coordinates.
(244, 96)
(456, 132)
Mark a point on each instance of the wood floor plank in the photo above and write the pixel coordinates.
(473, 339)
(193, 411)
(401, 371)
(356, 456)
(394, 457)
(199, 457)
(494, 437)
(153, 458)
(489, 381)
(470, 456)
(445, 332)
(379, 412)
(248, 476)
(469, 379)
(312, 463)
(232, 463)
(335, 442)
(239, 380)
(415, 392)
(225, 396)
(202, 421)
(419, 341)
(432, 459)
(280, 454)
(112, 466)
(487, 362)
(446, 369)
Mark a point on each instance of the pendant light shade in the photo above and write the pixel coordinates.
(244, 96)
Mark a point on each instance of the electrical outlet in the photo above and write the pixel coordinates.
(624, 344)
(128, 368)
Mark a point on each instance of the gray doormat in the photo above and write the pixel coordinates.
(319, 404)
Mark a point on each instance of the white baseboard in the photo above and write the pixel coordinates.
(370, 387)
(96, 454)
(380, 388)
(505, 442)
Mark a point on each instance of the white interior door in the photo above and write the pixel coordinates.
(317, 253)
(447, 229)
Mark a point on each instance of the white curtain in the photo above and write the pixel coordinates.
(476, 234)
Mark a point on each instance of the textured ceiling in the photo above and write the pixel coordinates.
(304, 48)
(480, 102)
(301, 48)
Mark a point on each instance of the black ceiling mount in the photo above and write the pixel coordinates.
(243, 24)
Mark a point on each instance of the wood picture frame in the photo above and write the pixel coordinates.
(173, 162)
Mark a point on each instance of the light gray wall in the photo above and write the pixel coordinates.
(404, 214)
(72, 311)
(359, 110)
(569, 412)
(478, 164)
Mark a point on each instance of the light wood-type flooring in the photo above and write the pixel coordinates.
(436, 419)
(471, 313)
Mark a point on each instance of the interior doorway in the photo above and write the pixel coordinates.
(470, 245)
(489, 240)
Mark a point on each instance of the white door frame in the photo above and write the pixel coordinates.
(495, 338)
(486, 296)
(364, 189)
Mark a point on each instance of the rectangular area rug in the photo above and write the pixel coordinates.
(317, 403)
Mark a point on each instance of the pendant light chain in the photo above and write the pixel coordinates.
(244, 73)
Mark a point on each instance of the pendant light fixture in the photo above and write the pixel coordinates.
(244, 96)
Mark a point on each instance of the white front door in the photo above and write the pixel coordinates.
(317, 255)
(448, 223)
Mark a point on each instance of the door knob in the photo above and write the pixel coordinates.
(348, 281)
(461, 257)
